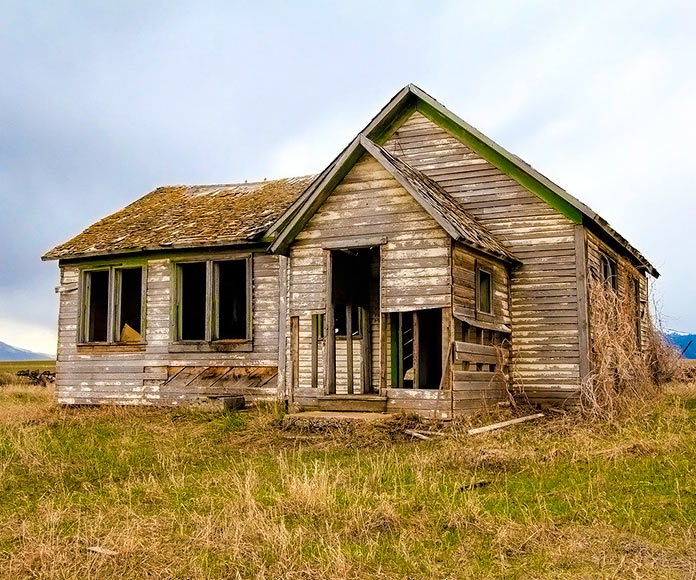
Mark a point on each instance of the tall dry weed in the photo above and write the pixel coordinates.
(625, 369)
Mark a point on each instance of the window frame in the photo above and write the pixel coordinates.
(611, 282)
(210, 342)
(487, 269)
(113, 301)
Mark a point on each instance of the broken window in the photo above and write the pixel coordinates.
(105, 321)
(416, 347)
(98, 310)
(607, 271)
(232, 299)
(192, 302)
(214, 300)
(343, 312)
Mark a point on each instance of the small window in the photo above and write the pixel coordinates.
(485, 287)
(130, 304)
(109, 322)
(214, 300)
(607, 271)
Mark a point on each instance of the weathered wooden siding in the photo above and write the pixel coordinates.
(136, 374)
(415, 268)
(464, 283)
(481, 356)
(543, 291)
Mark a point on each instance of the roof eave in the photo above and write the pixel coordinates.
(158, 248)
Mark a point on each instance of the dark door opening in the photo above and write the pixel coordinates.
(352, 314)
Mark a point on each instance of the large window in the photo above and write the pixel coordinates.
(112, 305)
(214, 301)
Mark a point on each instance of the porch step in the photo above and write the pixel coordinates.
(363, 403)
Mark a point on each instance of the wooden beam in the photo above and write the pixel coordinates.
(349, 348)
(315, 351)
(416, 349)
(283, 324)
(366, 362)
(384, 345)
(447, 339)
(583, 302)
(330, 354)
(294, 355)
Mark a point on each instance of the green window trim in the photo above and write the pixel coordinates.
(112, 311)
(213, 304)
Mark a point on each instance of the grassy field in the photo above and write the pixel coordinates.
(8, 369)
(189, 494)
(33, 365)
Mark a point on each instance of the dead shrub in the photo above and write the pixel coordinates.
(624, 371)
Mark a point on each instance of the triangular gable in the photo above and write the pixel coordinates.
(412, 98)
(450, 215)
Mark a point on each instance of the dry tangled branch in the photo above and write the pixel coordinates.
(624, 370)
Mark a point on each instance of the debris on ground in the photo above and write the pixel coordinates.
(502, 424)
(44, 378)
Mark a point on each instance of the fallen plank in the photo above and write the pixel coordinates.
(504, 424)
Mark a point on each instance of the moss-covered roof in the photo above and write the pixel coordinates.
(187, 216)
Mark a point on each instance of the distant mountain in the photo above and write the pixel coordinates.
(680, 340)
(8, 352)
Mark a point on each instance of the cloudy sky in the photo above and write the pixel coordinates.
(101, 102)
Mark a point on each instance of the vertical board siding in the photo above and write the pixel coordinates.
(543, 291)
(414, 261)
(127, 375)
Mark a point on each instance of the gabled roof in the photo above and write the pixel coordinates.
(442, 207)
(410, 99)
(187, 216)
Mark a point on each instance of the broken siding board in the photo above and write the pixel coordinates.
(535, 232)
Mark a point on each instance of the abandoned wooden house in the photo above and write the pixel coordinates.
(426, 270)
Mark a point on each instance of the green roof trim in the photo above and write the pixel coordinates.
(410, 99)
(502, 162)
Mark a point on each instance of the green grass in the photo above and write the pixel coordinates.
(189, 494)
(31, 365)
